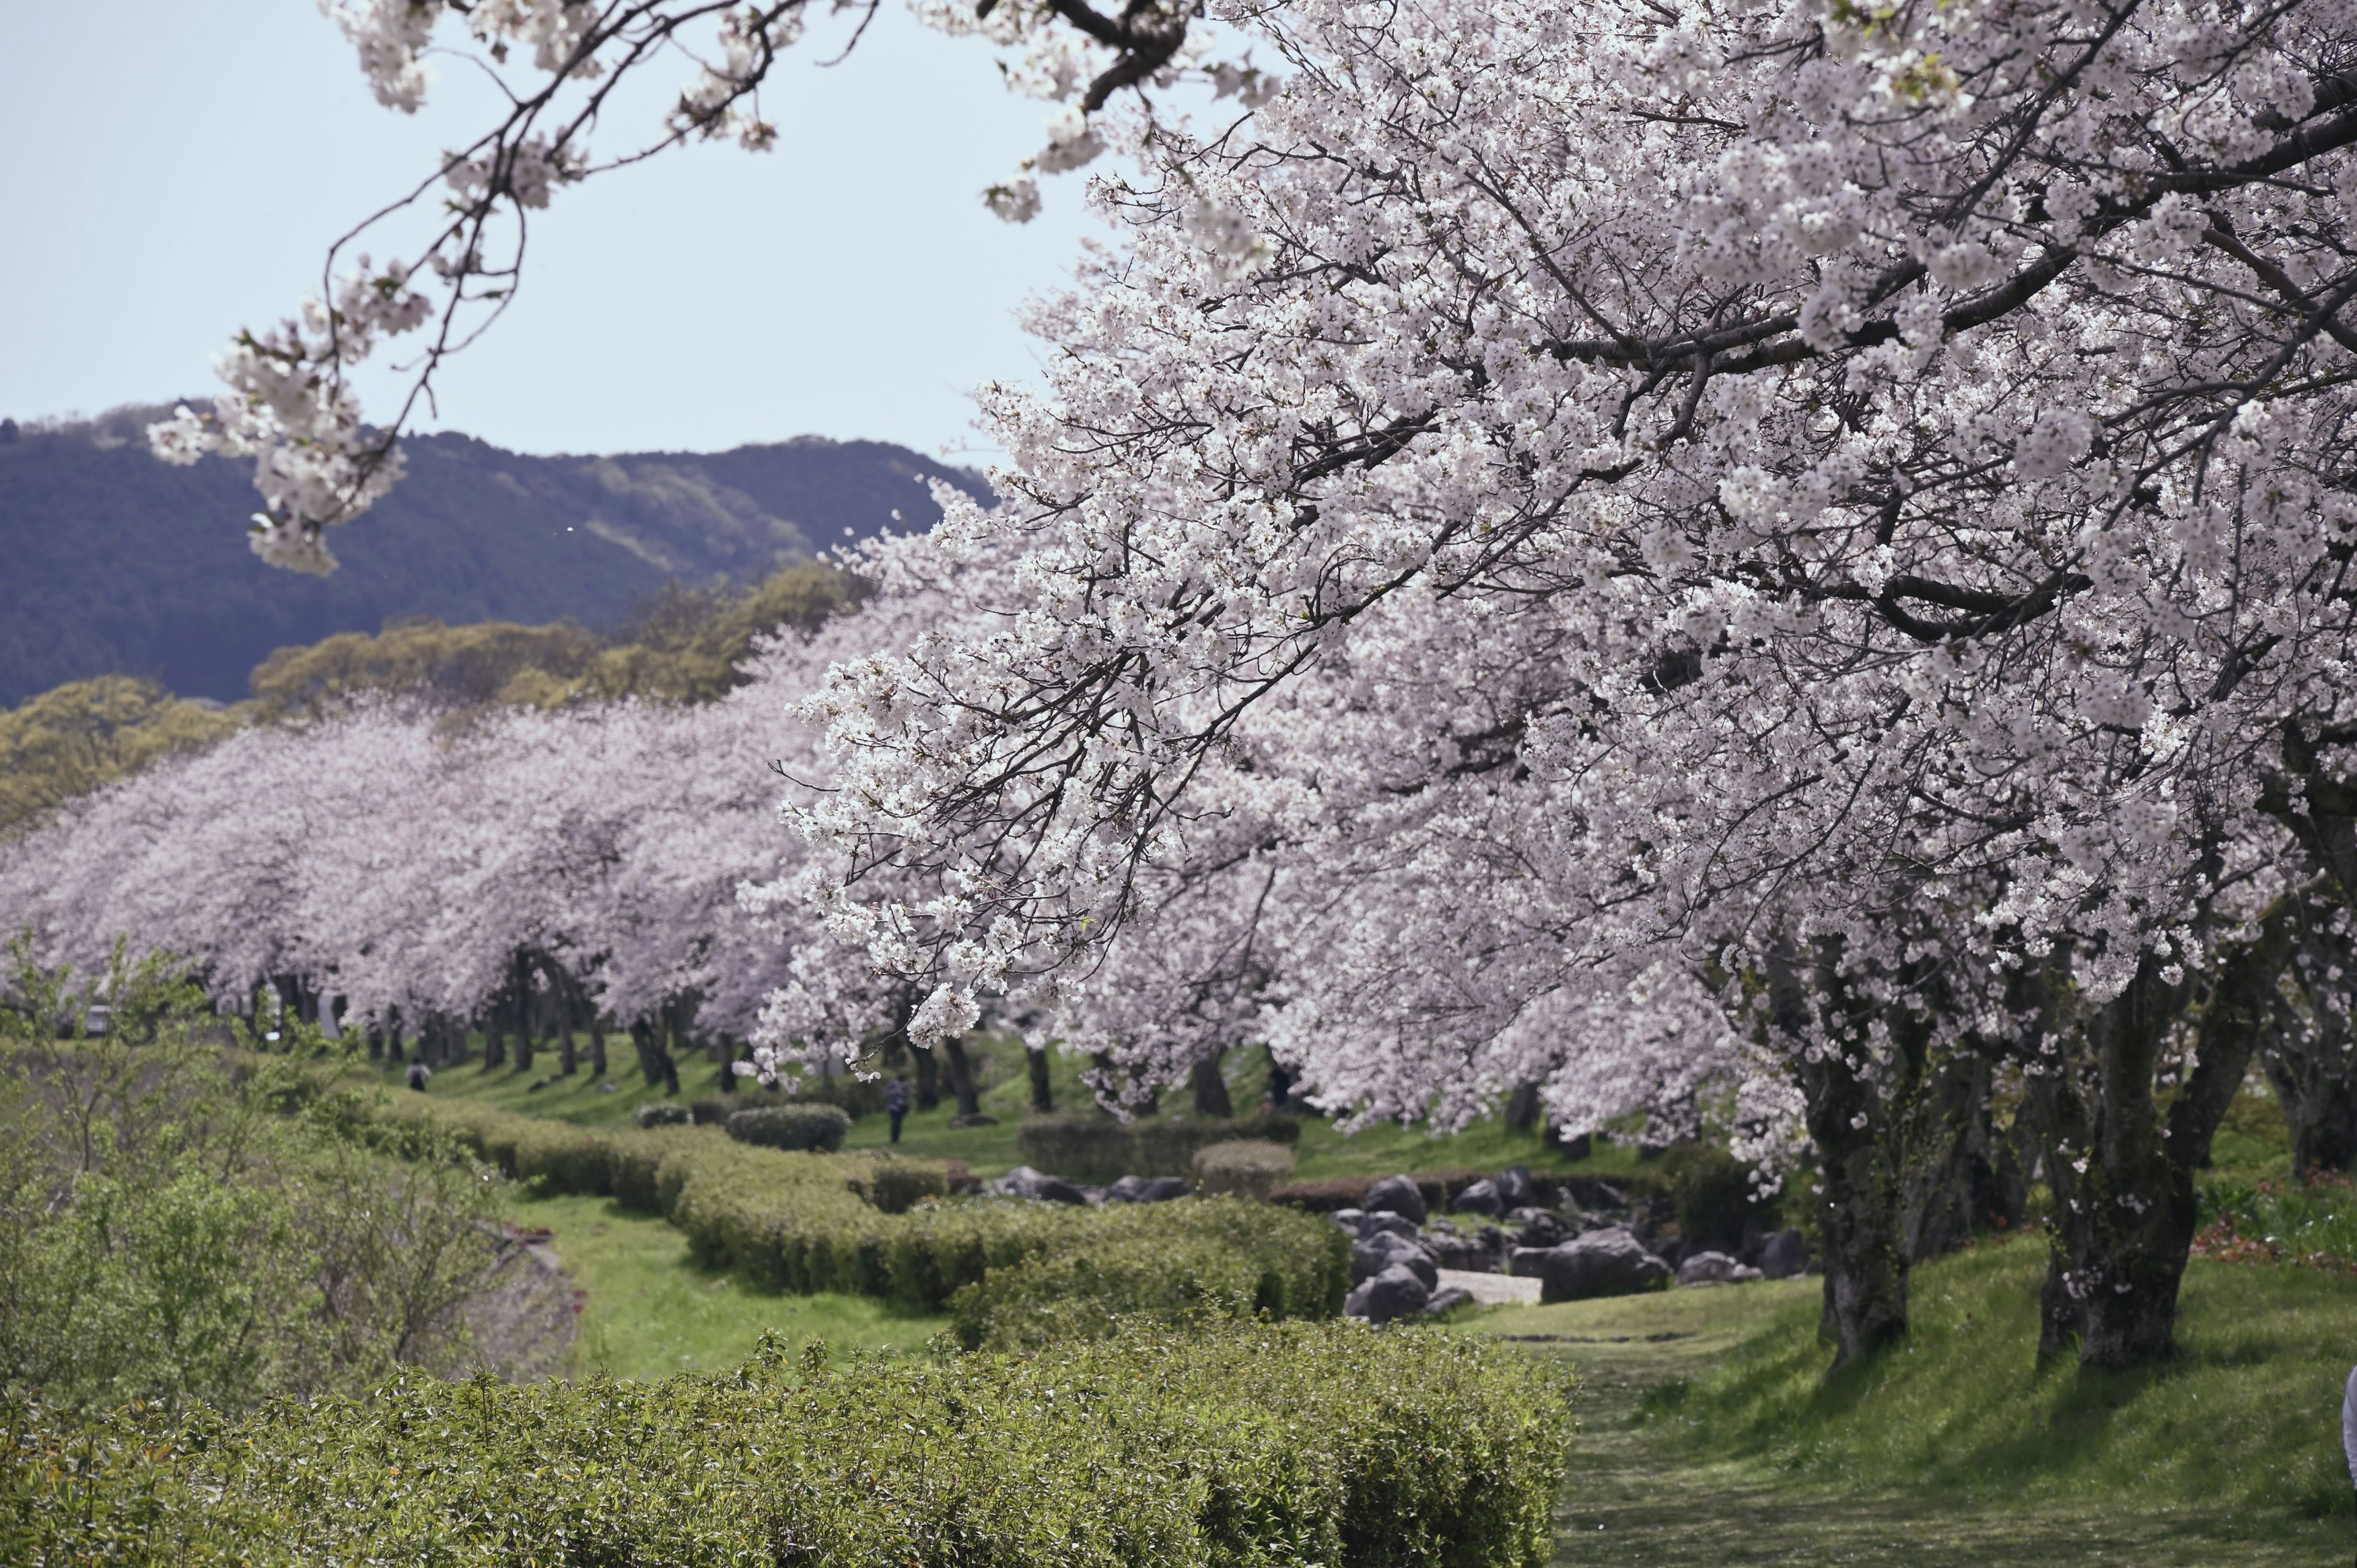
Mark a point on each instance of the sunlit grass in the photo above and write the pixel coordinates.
(649, 1311)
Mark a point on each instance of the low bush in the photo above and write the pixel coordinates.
(1093, 1146)
(1246, 1168)
(662, 1114)
(818, 1127)
(1188, 1259)
(1252, 1444)
(811, 1222)
(897, 1185)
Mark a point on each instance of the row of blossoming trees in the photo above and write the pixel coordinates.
(1791, 558)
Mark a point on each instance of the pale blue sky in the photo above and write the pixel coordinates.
(173, 171)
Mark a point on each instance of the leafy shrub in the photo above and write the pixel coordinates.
(1251, 1445)
(791, 1126)
(1093, 1146)
(1247, 1167)
(1184, 1260)
(897, 1185)
(183, 1227)
(663, 1114)
(807, 1222)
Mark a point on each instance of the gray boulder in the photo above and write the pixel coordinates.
(1146, 1189)
(1602, 1262)
(1528, 1263)
(1442, 1300)
(1388, 1225)
(1396, 1293)
(1025, 1182)
(1481, 1197)
(1537, 1228)
(1469, 1253)
(1350, 1220)
(1383, 1251)
(1515, 1190)
(1783, 1255)
(1713, 1268)
(1397, 1194)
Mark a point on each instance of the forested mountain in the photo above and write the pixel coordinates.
(111, 562)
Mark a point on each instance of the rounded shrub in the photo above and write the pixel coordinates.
(818, 1127)
(898, 1184)
(1248, 1168)
(662, 1113)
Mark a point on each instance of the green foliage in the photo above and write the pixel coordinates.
(178, 1229)
(1247, 1167)
(1091, 1146)
(816, 1222)
(1260, 1444)
(1713, 1193)
(662, 1114)
(1175, 1263)
(76, 737)
(898, 1186)
(818, 1127)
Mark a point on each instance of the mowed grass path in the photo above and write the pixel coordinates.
(1710, 1434)
(648, 1311)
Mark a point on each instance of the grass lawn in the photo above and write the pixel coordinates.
(650, 1312)
(1711, 1434)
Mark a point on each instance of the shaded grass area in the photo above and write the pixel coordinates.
(1711, 1433)
(651, 1311)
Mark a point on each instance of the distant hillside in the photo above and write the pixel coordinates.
(113, 563)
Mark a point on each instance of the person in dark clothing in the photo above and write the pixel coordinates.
(895, 1101)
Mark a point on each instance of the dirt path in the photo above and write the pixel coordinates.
(1632, 1499)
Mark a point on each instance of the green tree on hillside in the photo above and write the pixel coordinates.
(76, 737)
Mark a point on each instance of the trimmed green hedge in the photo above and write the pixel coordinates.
(1253, 1445)
(1248, 1168)
(791, 1126)
(1091, 1146)
(808, 1222)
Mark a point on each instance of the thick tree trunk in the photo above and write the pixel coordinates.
(929, 1082)
(2122, 1178)
(2309, 1049)
(969, 1103)
(1523, 1106)
(1043, 1093)
(597, 1045)
(561, 992)
(1210, 1089)
(1857, 1126)
(1950, 1186)
(642, 1037)
(520, 977)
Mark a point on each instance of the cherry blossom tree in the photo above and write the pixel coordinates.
(1702, 482)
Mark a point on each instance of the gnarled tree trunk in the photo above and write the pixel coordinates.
(1210, 1089)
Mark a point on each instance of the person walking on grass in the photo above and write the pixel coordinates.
(896, 1105)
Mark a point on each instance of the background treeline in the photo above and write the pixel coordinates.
(120, 564)
(685, 644)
